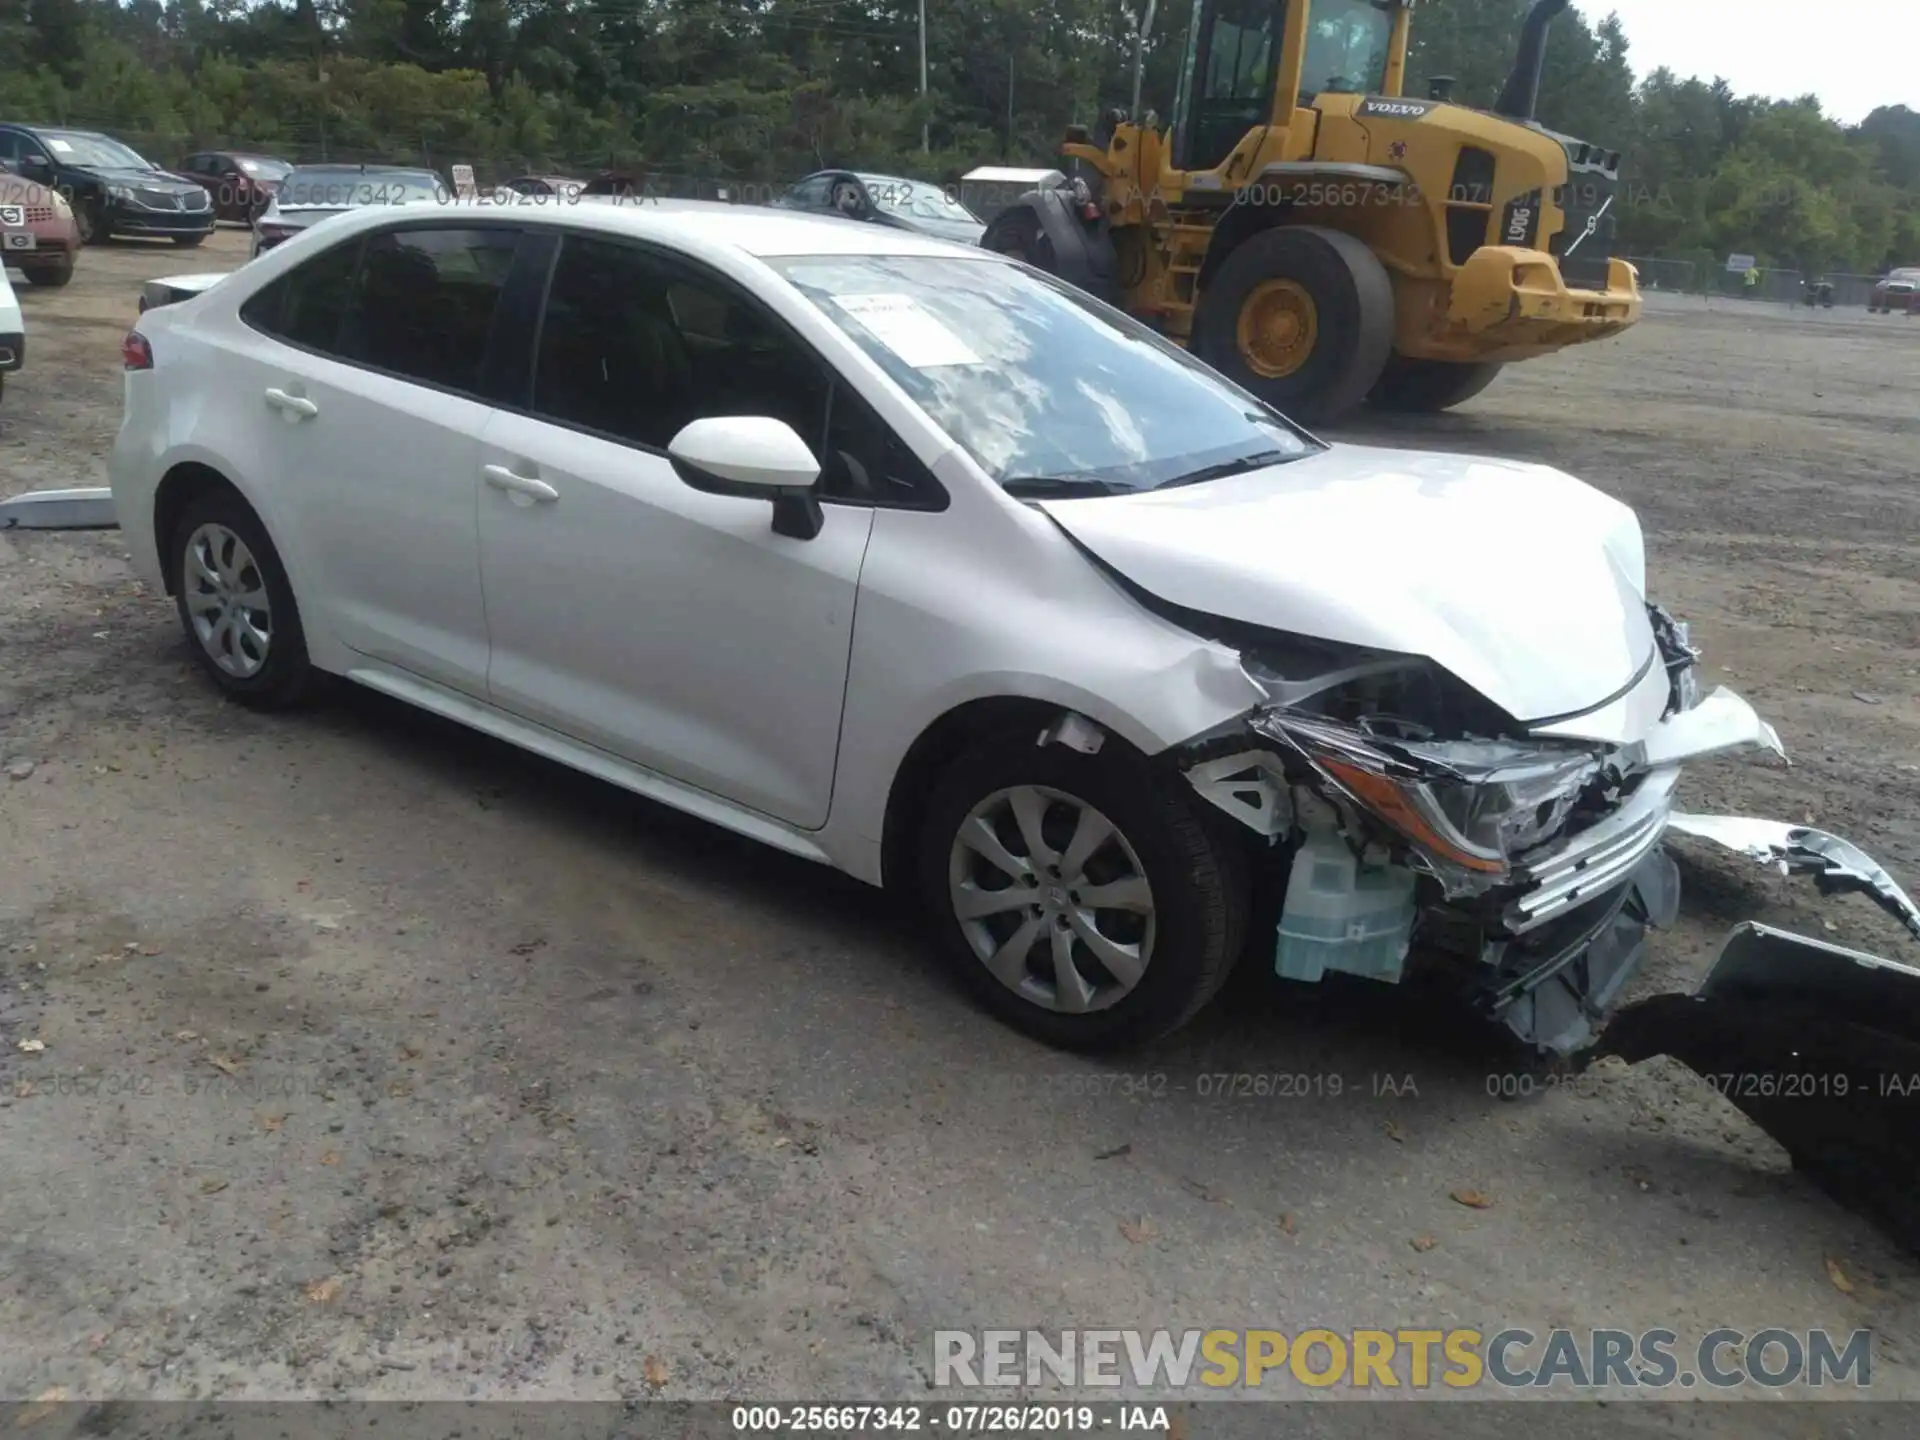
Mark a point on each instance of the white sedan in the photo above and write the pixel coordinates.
(905, 558)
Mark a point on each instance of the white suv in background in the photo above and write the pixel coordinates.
(905, 558)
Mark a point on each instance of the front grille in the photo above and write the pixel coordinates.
(157, 199)
(1584, 245)
(1469, 203)
(1595, 860)
(199, 200)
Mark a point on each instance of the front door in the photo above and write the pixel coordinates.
(668, 626)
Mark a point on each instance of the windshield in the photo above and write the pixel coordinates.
(265, 169)
(909, 197)
(1049, 391)
(341, 189)
(72, 147)
(1347, 46)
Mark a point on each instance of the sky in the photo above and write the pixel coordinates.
(1854, 54)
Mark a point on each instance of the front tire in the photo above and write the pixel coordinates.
(1303, 317)
(51, 276)
(236, 605)
(1084, 899)
(1424, 387)
(91, 224)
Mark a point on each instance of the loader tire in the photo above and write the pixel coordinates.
(1424, 387)
(1018, 233)
(1301, 316)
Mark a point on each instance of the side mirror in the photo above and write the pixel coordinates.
(753, 457)
(36, 165)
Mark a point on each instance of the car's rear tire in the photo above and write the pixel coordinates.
(1303, 317)
(236, 605)
(1424, 387)
(52, 276)
(1006, 820)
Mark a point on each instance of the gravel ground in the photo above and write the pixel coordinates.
(381, 1060)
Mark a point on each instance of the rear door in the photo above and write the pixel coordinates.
(366, 395)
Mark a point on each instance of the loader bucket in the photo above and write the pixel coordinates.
(1820, 1047)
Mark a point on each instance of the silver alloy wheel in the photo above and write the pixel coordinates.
(226, 599)
(1052, 899)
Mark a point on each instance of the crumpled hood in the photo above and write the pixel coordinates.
(1519, 579)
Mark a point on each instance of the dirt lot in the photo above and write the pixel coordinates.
(382, 1060)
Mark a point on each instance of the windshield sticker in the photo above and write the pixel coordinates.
(908, 330)
(59, 147)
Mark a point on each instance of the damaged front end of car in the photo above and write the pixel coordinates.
(1535, 859)
(1426, 829)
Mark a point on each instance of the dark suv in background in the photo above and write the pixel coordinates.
(113, 190)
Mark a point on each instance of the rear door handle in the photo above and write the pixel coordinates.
(501, 478)
(294, 406)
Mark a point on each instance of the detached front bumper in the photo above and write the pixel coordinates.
(1513, 304)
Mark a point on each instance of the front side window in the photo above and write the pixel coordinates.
(1047, 390)
(423, 303)
(1347, 42)
(636, 346)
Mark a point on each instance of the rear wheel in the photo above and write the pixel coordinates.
(1018, 233)
(1082, 898)
(236, 604)
(1301, 316)
(1425, 386)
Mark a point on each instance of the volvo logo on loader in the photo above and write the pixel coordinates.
(1396, 109)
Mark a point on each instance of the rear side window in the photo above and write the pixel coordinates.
(424, 300)
(307, 305)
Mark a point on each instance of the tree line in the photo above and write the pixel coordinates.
(765, 90)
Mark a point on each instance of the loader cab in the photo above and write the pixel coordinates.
(1242, 55)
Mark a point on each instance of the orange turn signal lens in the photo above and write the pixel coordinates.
(1390, 803)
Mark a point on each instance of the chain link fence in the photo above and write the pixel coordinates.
(1778, 286)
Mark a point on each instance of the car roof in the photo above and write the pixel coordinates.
(711, 225)
(356, 167)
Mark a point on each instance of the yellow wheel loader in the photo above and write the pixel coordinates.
(1323, 239)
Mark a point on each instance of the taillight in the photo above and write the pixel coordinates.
(135, 352)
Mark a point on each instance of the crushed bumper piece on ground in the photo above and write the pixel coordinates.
(1837, 866)
(1819, 1046)
(90, 508)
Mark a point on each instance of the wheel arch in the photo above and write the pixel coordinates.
(943, 741)
(184, 482)
(1237, 225)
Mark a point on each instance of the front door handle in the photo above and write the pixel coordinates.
(294, 407)
(501, 478)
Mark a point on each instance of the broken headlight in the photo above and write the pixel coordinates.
(1463, 805)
